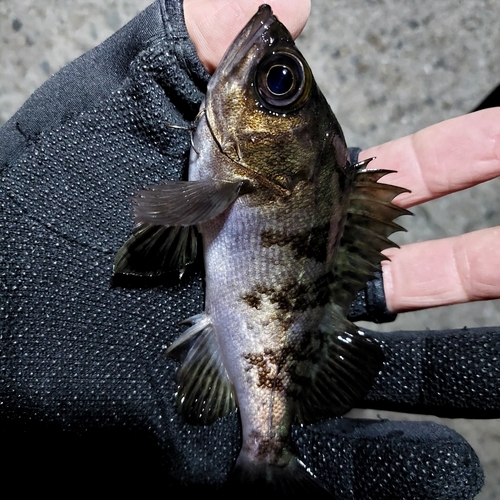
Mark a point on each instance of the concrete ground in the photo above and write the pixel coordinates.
(387, 67)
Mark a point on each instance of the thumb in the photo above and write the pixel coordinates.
(213, 24)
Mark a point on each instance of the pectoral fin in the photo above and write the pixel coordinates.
(155, 250)
(184, 203)
(165, 238)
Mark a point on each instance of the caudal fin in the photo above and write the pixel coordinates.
(276, 482)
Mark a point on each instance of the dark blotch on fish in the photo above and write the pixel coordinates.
(289, 228)
(253, 299)
(272, 368)
(311, 244)
(291, 296)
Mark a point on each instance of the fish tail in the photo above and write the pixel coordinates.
(292, 480)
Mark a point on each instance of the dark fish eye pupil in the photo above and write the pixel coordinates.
(280, 80)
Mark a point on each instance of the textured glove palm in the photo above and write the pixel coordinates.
(85, 390)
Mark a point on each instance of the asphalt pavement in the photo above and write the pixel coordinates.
(387, 67)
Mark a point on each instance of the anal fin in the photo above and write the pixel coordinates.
(205, 392)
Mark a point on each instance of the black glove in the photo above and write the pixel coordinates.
(86, 395)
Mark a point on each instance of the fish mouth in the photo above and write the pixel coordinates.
(258, 24)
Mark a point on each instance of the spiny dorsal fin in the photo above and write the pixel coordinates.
(341, 369)
(155, 250)
(369, 223)
(204, 391)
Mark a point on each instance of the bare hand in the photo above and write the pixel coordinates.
(213, 24)
(441, 159)
(447, 157)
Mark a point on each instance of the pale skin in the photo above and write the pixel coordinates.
(441, 159)
(450, 156)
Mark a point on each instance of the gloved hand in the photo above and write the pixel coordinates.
(86, 395)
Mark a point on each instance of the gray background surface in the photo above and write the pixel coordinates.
(387, 67)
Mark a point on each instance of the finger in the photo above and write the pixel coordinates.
(213, 24)
(446, 157)
(448, 373)
(442, 272)
(374, 459)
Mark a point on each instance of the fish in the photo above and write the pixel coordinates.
(290, 232)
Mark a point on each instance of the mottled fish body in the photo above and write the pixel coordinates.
(291, 231)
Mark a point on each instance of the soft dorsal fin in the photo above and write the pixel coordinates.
(369, 224)
(204, 391)
(339, 370)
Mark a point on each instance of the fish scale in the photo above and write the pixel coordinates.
(290, 232)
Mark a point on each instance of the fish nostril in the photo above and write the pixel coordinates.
(285, 181)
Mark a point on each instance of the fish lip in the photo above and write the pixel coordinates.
(258, 24)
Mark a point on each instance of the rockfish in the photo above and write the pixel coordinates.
(291, 230)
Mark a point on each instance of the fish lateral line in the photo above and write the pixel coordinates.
(278, 279)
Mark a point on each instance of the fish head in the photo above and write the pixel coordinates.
(266, 112)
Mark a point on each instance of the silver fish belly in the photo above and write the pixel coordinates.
(291, 231)
(262, 302)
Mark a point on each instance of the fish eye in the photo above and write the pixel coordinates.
(281, 81)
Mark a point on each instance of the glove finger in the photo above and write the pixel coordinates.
(450, 373)
(389, 459)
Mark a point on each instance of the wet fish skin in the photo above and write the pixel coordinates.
(272, 193)
(259, 293)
